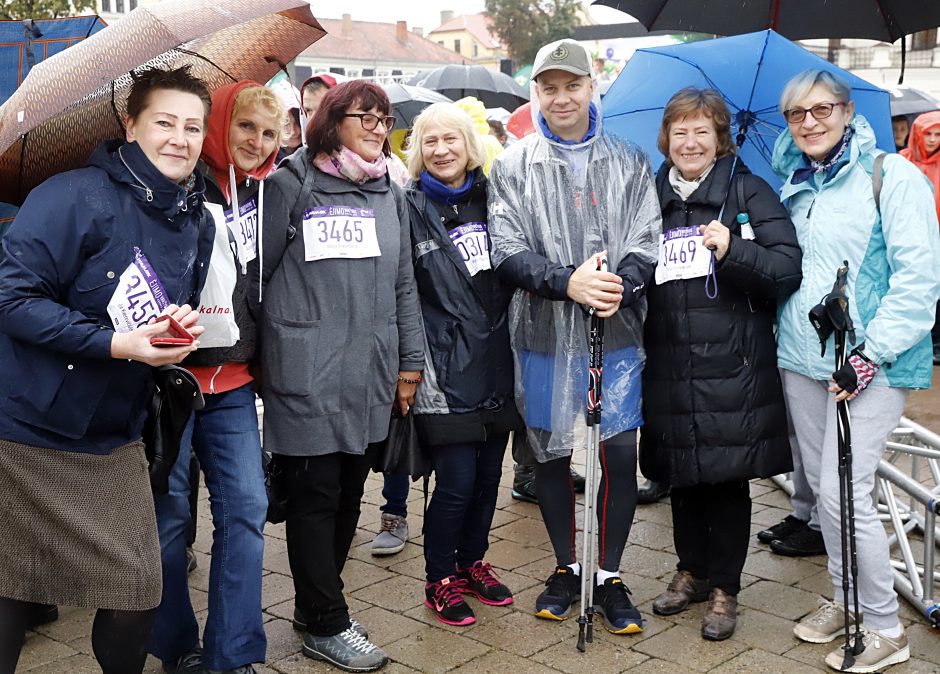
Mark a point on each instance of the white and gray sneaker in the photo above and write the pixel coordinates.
(879, 652)
(827, 623)
(347, 650)
(392, 536)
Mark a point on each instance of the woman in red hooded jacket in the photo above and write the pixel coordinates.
(240, 150)
(922, 149)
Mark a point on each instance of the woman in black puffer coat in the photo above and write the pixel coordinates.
(713, 405)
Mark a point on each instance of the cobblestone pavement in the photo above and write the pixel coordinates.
(386, 594)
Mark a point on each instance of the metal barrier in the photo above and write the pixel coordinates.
(907, 490)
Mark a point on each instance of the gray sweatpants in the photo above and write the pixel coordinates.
(874, 414)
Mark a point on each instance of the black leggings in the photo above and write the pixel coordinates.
(118, 638)
(616, 501)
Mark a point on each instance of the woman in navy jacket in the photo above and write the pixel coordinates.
(464, 407)
(93, 256)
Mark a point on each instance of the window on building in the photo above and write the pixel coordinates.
(457, 46)
(338, 70)
(440, 42)
(351, 72)
(476, 50)
(119, 6)
(368, 73)
(925, 39)
(107, 5)
(133, 5)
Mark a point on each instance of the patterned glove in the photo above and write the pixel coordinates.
(856, 373)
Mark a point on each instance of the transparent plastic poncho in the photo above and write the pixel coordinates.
(567, 203)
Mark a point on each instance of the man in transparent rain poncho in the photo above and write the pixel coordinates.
(559, 198)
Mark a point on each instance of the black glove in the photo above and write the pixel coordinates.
(856, 373)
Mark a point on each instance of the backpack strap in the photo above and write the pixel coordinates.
(877, 179)
(296, 210)
(739, 187)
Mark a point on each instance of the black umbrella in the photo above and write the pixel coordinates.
(495, 89)
(908, 101)
(885, 20)
(408, 102)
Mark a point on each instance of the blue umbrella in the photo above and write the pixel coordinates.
(749, 71)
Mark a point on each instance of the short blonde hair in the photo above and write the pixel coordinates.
(261, 98)
(451, 117)
(690, 102)
(800, 85)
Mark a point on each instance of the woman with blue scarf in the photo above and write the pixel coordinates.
(827, 156)
(464, 406)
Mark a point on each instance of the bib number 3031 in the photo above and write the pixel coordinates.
(339, 232)
(682, 255)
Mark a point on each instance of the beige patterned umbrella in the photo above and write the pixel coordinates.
(72, 101)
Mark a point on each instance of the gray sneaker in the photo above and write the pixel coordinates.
(244, 669)
(347, 650)
(392, 536)
(189, 663)
(879, 652)
(827, 623)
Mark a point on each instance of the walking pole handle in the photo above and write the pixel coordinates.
(596, 358)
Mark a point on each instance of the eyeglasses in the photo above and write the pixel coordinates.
(369, 121)
(818, 111)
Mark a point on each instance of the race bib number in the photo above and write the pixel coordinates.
(139, 296)
(473, 245)
(339, 232)
(682, 255)
(245, 230)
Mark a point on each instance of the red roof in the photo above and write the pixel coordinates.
(477, 25)
(370, 41)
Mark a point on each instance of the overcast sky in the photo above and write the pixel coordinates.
(424, 13)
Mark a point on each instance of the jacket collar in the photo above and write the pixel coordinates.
(712, 192)
(126, 163)
(788, 157)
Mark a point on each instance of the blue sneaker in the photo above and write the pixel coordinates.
(612, 602)
(562, 589)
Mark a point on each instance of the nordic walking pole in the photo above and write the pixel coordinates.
(588, 529)
(853, 645)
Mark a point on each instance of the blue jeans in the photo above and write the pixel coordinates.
(457, 523)
(224, 435)
(395, 492)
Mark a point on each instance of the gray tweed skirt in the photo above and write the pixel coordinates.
(78, 529)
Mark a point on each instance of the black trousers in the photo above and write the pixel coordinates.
(616, 502)
(711, 529)
(324, 494)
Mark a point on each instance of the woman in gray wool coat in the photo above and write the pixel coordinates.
(342, 341)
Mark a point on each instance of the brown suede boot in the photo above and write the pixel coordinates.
(683, 589)
(721, 616)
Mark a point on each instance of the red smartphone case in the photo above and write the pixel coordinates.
(179, 336)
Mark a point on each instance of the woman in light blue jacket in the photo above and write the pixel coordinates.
(827, 156)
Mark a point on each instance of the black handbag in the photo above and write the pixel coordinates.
(174, 399)
(275, 489)
(401, 452)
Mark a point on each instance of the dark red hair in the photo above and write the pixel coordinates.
(323, 127)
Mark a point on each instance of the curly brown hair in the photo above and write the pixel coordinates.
(692, 101)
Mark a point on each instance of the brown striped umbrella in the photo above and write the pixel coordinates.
(72, 101)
